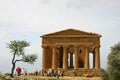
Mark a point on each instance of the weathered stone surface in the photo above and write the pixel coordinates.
(69, 49)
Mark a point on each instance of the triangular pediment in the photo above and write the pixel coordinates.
(71, 32)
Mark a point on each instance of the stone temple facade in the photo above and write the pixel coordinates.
(70, 49)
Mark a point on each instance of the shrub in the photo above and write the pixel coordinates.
(7, 74)
(104, 74)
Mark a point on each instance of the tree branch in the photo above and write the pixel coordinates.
(19, 60)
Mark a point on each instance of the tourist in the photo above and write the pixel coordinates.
(48, 73)
(52, 73)
(36, 72)
(59, 72)
(18, 69)
(24, 71)
(62, 73)
(42, 72)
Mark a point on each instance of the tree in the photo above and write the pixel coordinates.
(17, 49)
(114, 62)
(104, 74)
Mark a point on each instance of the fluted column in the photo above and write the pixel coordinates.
(86, 65)
(97, 58)
(76, 58)
(65, 57)
(71, 60)
(44, 62)
(54, 58)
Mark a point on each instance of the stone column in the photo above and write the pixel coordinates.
(54, 58)
(86, 65)
(76, 58)
(71, 60)
(58, 59)
(44, 62)
(65, 57)
(97, 58)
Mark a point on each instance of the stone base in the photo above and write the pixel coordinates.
(83, 72)
(72, 78)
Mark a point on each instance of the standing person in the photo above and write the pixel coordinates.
(36, 72)
(59, 72)
(23, 71)
(62, 73)
(48, 73)
(18, 69)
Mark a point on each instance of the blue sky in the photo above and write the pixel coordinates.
(29, 19)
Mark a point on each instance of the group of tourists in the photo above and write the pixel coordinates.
(52, 72)
(21, 71)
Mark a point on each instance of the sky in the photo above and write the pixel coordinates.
(29, 19)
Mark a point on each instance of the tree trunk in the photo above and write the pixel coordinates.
(13, 65)
(12, 71)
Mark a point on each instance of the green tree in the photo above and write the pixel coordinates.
(114, 62)
(17, 49)
(104, 74)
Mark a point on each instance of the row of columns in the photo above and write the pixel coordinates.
(96, 56)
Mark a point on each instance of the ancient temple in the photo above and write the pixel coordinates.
(70, 49)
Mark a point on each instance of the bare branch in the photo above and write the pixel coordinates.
(19, 60)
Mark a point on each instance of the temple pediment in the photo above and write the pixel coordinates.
(71, 33)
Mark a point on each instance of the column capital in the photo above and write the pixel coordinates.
(54, 46)
(64, 46)
(97, 46)
(44, 45)
(86, 46)
(71, 53)
(76, 47)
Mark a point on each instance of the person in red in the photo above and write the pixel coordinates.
(18, 69)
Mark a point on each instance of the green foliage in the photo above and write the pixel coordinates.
(17, 47)
(104, 74)
(1, 75)
(7, 74)
(114, 62)
(30, 58)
